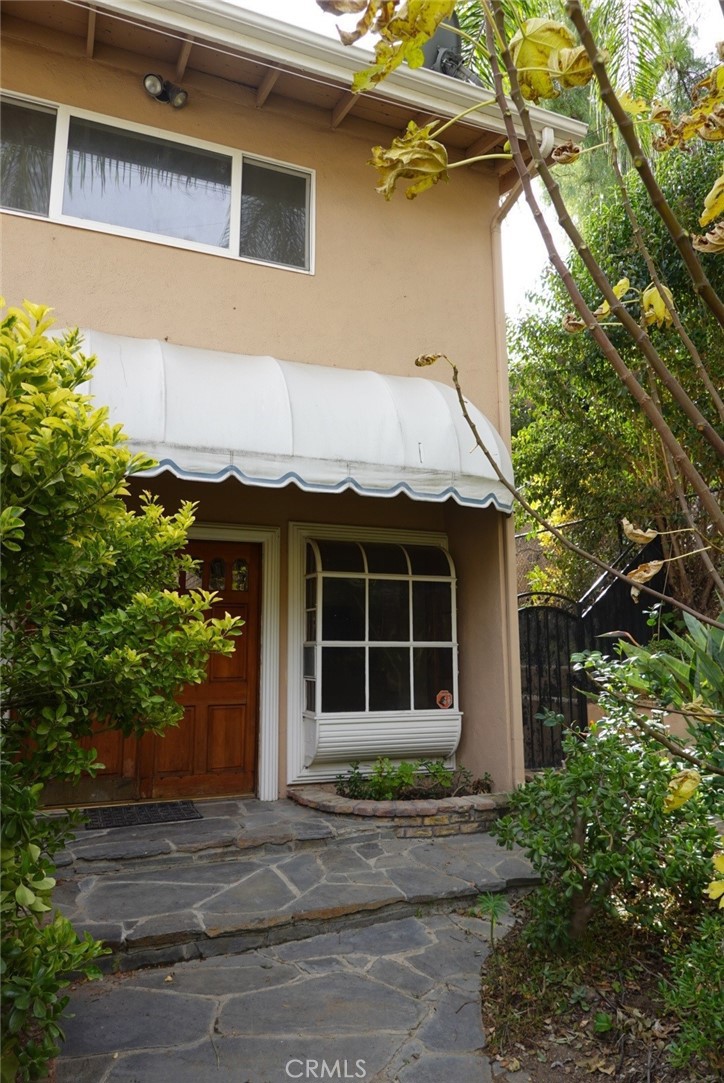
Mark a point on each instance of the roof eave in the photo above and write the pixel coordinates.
(294, 47)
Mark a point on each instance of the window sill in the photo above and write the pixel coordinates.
(148, 238)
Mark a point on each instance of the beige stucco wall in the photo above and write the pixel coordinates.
(489, 685)
(392, 280)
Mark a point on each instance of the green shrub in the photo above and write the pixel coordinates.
(597, 833)
(694, 994)
(405, 780)
(93, 629)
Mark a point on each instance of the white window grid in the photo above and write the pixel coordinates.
(63, 115)
(319, 643)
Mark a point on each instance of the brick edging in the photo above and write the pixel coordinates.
(411, 819)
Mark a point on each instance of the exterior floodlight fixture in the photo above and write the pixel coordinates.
(163, 91)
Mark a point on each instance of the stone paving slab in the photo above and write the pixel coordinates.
(259, 1017)
(282, 895)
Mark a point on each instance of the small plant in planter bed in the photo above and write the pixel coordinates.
(409, 781)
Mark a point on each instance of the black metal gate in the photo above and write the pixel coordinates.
(551, 630)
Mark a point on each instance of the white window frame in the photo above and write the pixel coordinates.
(63, 115)
(298, 770)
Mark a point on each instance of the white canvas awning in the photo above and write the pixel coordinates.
(207, 416)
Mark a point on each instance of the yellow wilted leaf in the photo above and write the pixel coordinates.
(714, 202)
(699, 710)
(403, 27)
(681, 788)
(635, 534)
(412, 156)
(573, 323)
(646, 571)
(715, 890)
(713, 241)
(531, 49)
(718, 862)
(571, 67)
(620, 289)
(642, 574)
(654, 307)
(633, 106)
(566, 153)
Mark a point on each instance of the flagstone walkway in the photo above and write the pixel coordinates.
(281, 942)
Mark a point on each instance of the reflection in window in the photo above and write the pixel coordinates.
(193, 579)
(217, 574)
(146, 183)
(274, 214)
(386, 638)
(343, 609)
(27, 136)
(240, 575)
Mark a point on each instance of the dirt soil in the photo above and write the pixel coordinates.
(581, 1022)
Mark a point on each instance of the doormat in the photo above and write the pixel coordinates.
(164, 812)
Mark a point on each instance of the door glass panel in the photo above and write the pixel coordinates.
(343, 609)
(428, 560)
(389, 610)
(146, 183)
(193, 579)
(240, 575)
(433, 674)
(26, 157)
(217, 574)
(389, 679)
(343, 679)
(431, 611)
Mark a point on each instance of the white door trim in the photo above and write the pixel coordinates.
(269, 539)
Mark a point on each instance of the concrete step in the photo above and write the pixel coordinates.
(166, 893)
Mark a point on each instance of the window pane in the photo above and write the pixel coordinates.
(273, 215)
(389, 679)
(341, 556)
(311, 631)
(145, 183)
(311, 593)
(386, 558)
(389, 610)
(240, 575)
(309, 696)
(343, 679)
(431, 611)
(428, 560)
(217, 574)
(343, 609)
(309, 660)
(311, 559)
(192, 580)
(433, 674)
(26, 157)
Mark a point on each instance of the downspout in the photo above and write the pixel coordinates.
(506, 530)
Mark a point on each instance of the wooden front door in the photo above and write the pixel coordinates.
(213, 750)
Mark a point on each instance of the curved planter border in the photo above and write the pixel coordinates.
(420, 818)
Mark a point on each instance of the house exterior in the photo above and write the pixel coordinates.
(256, 309)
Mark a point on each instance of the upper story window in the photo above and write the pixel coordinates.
(75, 167)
